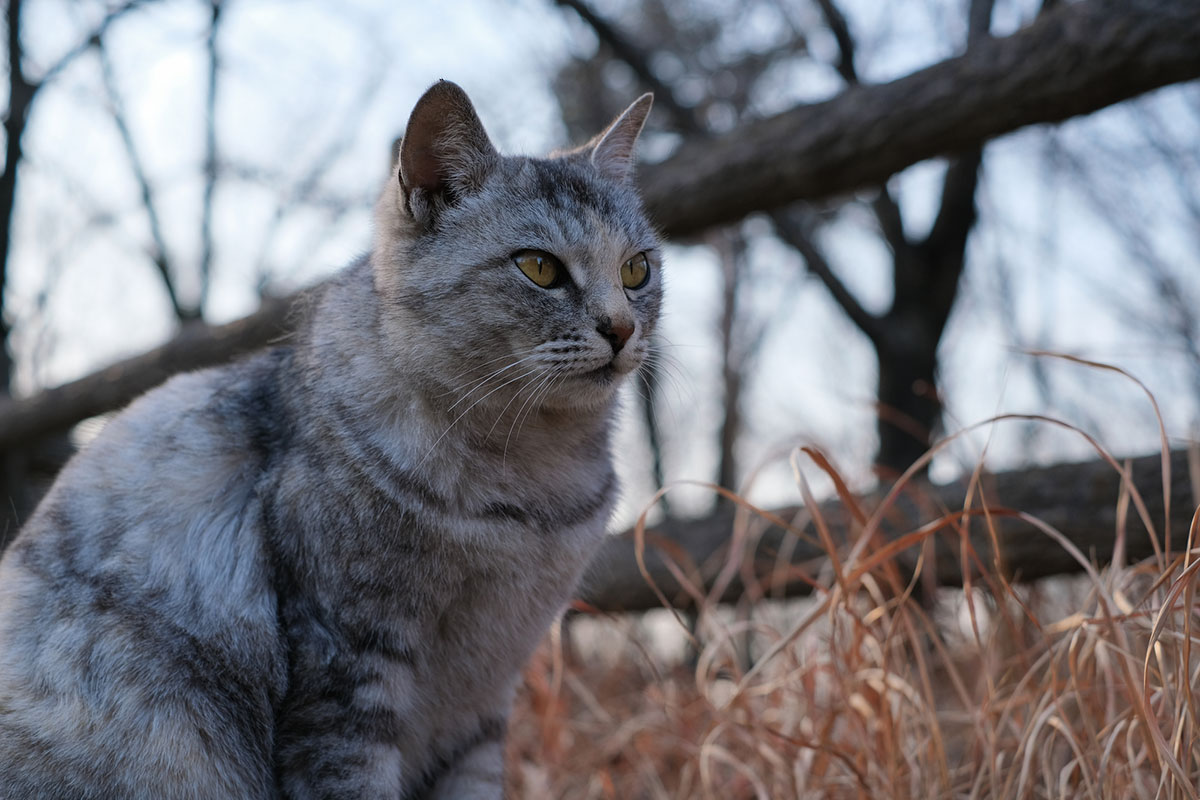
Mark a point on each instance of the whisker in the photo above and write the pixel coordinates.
(504, 357)
(660, 343)
(480, 383)
(509, 404)
(437, 441)
(515, 357)
(667, 409)
(670, 377)
(543, 388)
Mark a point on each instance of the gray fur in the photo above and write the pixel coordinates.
(316, 573)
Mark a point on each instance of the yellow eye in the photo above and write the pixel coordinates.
(541, 268)
(635, 272)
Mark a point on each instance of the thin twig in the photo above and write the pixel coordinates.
(210, 152)
(664, 96)
(158, 249)
(790, 228)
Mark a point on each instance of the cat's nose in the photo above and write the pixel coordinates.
(617, 333)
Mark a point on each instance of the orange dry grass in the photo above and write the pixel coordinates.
(1079, 688)
(876, 699)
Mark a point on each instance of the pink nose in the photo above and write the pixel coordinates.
(616, 333)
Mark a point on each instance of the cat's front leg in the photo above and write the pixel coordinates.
(477, 775)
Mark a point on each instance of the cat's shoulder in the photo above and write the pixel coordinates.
(180, 461)
(192, 413)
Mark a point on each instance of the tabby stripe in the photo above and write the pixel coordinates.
(491, 729)
(552, 521)
(589, 507)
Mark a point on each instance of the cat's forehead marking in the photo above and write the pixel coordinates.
(569, 188)
(579, 201)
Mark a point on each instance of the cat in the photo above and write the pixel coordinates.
(318, 572)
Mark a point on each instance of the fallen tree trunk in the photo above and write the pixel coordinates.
(196, 346)
(1074, 60)
(1080, 501)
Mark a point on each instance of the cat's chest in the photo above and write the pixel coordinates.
(499, 558)
(406, 559)
(445, 571)
(432, 615)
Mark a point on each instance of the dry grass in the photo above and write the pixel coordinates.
(1072, 688)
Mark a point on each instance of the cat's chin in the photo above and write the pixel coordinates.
(606, 375)
(587, 391)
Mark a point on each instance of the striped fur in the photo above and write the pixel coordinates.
(317, 572)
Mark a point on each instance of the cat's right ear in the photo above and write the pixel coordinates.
(612, 151)
(445, 152)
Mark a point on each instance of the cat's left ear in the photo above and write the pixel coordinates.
(445, 151)
(613, 149)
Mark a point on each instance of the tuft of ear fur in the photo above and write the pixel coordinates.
(395, 162)
(613, 149)
(445, 153)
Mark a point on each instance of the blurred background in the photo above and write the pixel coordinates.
(172, 163)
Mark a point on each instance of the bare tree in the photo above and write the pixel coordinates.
(22, 471)
(23, 91)
(178, 267)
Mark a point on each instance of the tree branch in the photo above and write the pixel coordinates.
(22, 91)
(845, 42)
(957, 211)
(730, 248)
(979, 20)
(664, 96)
(1074, 60)
(306, 189)
(20, 96)
(942, 254)
(210, 152)
(891, 224)
(195, 347)
(887, 212)
(88, 42)
(790, 229)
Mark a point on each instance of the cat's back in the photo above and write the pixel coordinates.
(136, 605)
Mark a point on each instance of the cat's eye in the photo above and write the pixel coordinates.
(635, 272)
(542, 268)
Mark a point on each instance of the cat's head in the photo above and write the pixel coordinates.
(510, 280)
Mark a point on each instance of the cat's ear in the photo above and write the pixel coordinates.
(613, 149)
(445, 151)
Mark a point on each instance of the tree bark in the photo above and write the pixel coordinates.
(908, 406)
(1079, 500)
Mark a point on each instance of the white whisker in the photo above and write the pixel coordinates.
(544, 388)
(437, 441)
(481, 382)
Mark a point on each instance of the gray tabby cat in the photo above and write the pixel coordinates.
(317, 573)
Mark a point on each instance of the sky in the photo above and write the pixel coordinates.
(317, 90)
